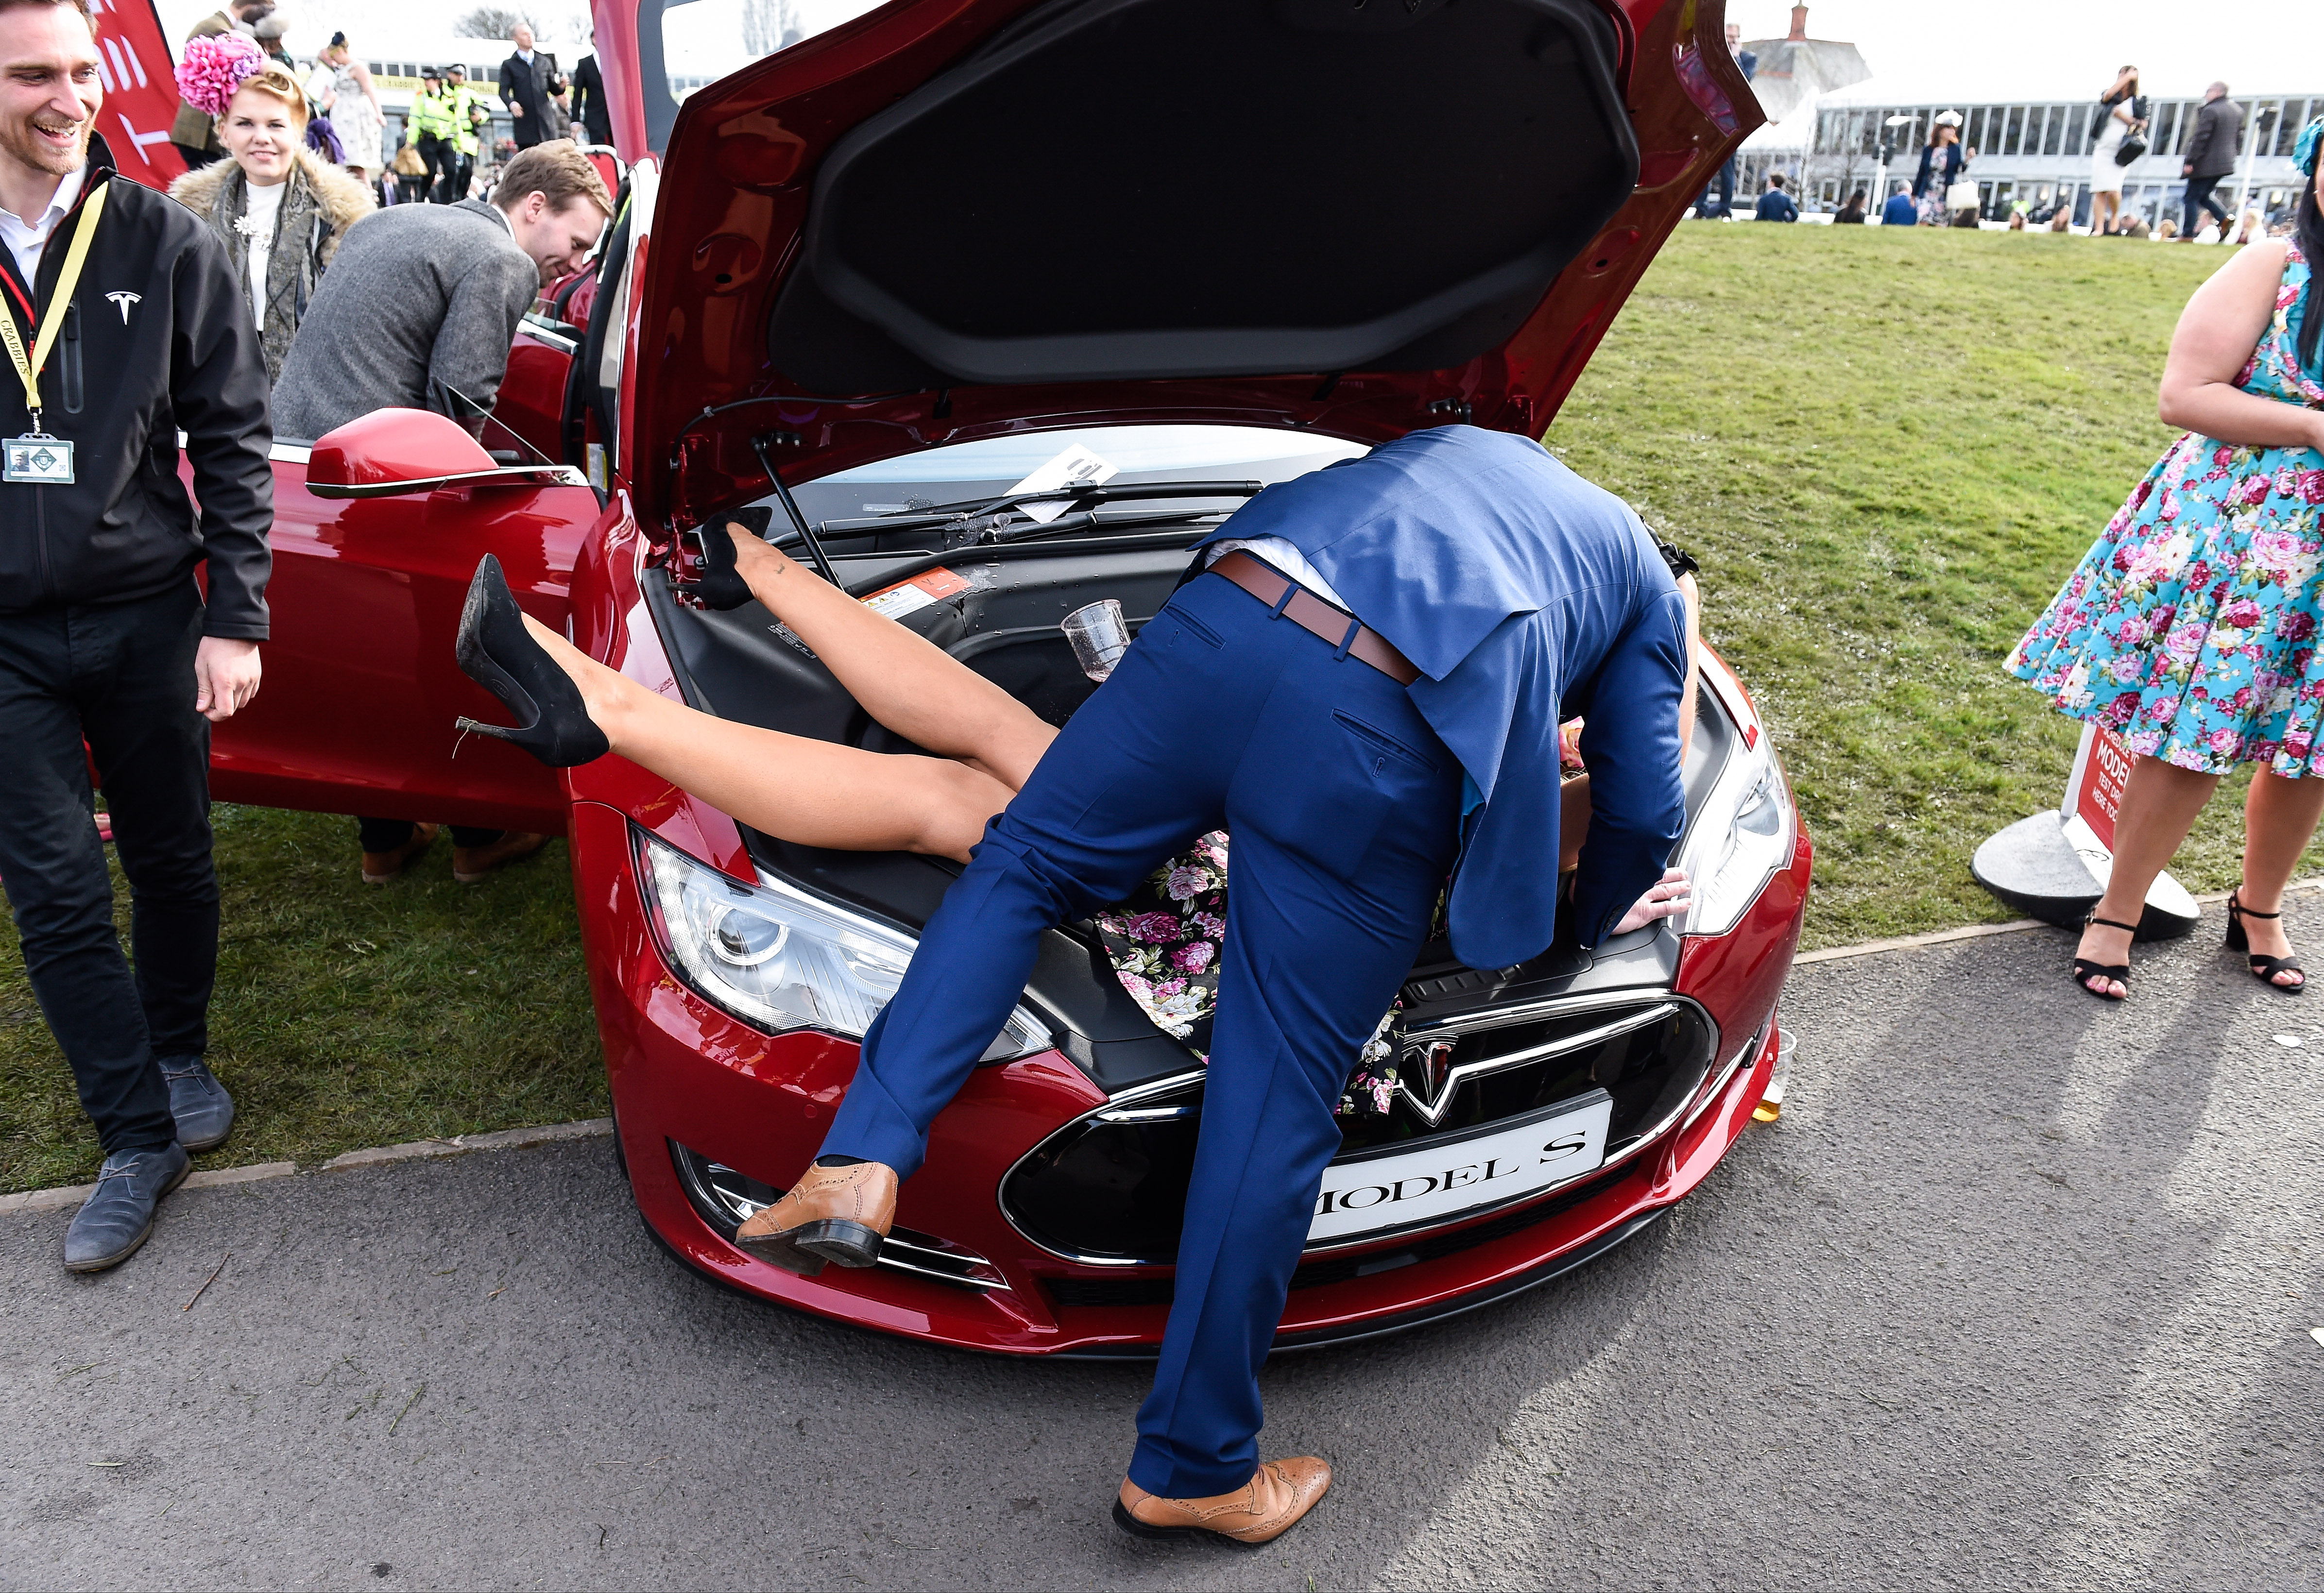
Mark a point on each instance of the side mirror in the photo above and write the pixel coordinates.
(391, 452)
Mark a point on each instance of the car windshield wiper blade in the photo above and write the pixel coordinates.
(976, 516)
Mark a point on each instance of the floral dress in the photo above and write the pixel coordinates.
(2189, 628)
(1163, 940)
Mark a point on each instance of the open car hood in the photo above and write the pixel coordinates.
(953, 218)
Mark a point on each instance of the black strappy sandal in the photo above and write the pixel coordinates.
(2263, 968)
(2119, 972)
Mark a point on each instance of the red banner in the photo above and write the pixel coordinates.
(136, 64)
(2095, 792)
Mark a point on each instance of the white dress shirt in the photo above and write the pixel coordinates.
(25, 240)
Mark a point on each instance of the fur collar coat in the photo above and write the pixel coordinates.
(322, 203)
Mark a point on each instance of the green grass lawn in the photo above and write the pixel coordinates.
(347, 1015)
(1887, 448)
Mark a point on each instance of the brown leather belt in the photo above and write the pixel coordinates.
(1311, 612)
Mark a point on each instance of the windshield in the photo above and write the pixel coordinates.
(1123, 456)
(702, 41)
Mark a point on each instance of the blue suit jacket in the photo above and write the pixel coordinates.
(1775, 205)
(1524, 594)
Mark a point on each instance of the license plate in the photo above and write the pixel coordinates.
(1393, 1188)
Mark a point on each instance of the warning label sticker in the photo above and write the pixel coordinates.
(910, 596)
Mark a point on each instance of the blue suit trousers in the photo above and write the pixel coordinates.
(1342, 809)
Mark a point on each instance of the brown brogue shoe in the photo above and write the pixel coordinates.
(379, 867)
(472, 863)
(1274, 1499)
(832, 1215)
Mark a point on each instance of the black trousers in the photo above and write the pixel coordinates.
(2199, 198)
(121, 676)
(387, 834)
(443, 158)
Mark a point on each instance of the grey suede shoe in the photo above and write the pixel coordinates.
(204, 1111)
(107, 1229)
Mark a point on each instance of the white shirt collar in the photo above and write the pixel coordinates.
(525, 56)
(27, 239)
(68, 191)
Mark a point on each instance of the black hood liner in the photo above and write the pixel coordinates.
(1127, 190)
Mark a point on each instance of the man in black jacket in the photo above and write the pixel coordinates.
(528, 80)
(2210, 155)
(123, 327)
(590, 107)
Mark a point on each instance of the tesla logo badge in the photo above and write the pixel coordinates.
(122, 302)
(1434, 1065)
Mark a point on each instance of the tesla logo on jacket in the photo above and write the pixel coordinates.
(119, 387)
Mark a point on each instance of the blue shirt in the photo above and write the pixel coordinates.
(1775, 205)
(1900, 211)
(1523, 595)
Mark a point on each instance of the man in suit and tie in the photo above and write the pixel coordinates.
(529, 81)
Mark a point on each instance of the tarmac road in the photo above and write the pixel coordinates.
(2016, 1294)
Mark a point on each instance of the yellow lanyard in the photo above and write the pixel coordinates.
(28, 371)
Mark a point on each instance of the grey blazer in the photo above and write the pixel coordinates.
(418, 310)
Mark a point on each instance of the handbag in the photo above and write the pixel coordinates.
(2133, 145)
(1961, 195)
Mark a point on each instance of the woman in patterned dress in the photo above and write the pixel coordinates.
(2190, 629)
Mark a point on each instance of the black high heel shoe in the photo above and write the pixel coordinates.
(722, 587)
(497, 654)
(2263, 968)
(2119, 972)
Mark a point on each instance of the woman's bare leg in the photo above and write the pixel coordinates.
(816, 793)
(2279, 817)
(2159, 804)
(902, 679)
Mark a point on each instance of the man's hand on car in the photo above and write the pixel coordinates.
(1667, 897)
(225, 676)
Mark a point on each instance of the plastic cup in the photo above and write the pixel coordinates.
(1100, 637)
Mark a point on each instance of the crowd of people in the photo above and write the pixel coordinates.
(1942, 192)
(446, 150)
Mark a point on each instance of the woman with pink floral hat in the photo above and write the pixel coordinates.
(2190, 630)
(280, 209)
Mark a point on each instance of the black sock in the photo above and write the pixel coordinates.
(839, 1160)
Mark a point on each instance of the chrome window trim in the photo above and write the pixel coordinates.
(507, 475)
(1666, 1001)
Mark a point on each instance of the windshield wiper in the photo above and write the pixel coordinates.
(986, 520)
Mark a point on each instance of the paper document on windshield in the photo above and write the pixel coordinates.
(1075, 467)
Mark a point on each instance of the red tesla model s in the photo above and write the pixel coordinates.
(1152, 254)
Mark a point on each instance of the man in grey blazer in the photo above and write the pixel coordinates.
(417, 312)
(419, 306)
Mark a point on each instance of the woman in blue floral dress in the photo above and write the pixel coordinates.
(2190, 630)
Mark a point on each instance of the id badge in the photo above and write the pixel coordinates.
(38, 461)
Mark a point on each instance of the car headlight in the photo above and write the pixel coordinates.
(1744, 833)
(780, 959)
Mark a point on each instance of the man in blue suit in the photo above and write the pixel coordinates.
(1450, 598)
(1900, 210)
(1775, 205)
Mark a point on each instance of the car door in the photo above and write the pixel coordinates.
(361, 689)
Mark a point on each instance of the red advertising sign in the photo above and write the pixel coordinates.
(134, 63)
(2094, 793)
